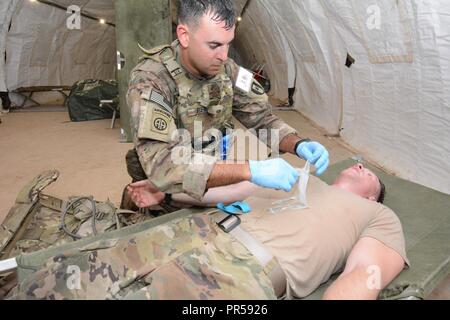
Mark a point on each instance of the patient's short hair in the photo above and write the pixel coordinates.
(382, 192)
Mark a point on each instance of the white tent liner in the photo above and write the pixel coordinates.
(392, 104)
(394, 101)
(6, 12)
(41, 50)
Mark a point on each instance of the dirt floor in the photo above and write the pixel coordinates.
(91, 160)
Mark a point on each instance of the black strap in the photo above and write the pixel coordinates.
(299, 142)
(168, 198)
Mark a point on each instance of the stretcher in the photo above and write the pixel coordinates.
(27, 93)
(425, 217)
(424, 214)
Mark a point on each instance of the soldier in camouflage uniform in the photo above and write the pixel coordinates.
(194, 86)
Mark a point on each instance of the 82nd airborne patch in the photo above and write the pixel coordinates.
(160, 124)
(160, 121)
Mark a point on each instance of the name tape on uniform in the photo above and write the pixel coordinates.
(244, 80)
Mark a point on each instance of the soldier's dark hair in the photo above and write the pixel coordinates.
(382, 192)
(190, 11)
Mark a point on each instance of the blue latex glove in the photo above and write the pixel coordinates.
(315, 153)
(273, 174)
(239, 207)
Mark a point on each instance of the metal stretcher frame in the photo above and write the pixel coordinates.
(422, 211)
(27, 92)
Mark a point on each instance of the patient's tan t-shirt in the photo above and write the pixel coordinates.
(313, 243)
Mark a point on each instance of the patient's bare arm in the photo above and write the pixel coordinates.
(226, 194)
(370, 267)
(145, 195)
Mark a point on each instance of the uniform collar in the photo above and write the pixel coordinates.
(176, 48)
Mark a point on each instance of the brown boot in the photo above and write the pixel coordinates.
(126, 203)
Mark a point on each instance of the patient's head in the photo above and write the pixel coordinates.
(361, 181)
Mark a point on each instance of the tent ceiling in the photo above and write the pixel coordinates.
(98, 8)
(105, 8)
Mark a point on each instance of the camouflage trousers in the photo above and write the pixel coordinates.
(134, 166)
(187, 258)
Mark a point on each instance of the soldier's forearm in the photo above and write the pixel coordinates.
(288, 143)
(226, 174)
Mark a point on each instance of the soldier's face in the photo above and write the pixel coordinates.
(206, 46)
(360, 181)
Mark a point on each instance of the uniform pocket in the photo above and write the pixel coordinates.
(205, 273)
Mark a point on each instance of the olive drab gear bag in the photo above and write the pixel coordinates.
(38, 221)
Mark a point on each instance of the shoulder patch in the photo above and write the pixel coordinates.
(158, 98)
(257, 88)
(155, 123)
(160, 123)
(244, 80)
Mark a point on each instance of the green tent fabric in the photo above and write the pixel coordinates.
(85, 96)
(423, 212)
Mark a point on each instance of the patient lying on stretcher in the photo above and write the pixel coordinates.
(190, 257)
(344, 228)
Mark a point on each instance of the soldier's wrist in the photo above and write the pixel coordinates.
(167, 198)
(300, 142)
(247, 174)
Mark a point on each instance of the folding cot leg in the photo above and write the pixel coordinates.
(113, 118)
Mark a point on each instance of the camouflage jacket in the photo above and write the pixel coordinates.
(164, 97)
